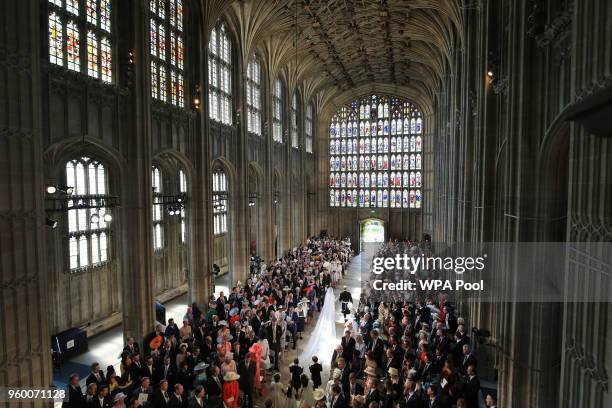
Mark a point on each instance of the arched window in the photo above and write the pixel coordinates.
(167, 51)
(158, 211)
(220, 195)
(88, 228)
(375, 150)
(308, 128)
(295, 140)
(73, 22)
(183, 189)
(277, 111)
(253, 92)
(219, 75)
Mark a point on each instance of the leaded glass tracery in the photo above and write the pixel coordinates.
(277, 111)
(76, 22)
(219, 75)
(253, 93)
(375, 155)
(87, 235)
(167, 50)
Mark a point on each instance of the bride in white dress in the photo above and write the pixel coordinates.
(322, 340)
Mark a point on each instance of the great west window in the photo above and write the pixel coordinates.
(375, 154)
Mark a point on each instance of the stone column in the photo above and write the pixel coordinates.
(200, 273)
(25, 356)
(239, 246)
(138, 281)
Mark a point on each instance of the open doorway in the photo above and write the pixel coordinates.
(371, 231)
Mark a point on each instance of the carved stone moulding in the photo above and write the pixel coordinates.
(593, 108)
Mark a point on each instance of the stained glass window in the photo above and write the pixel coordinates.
(167, 51)
(295, 140)
(158, 213)
(219, 75)
(277, 111)
(92, 55)
(219, 201)
(253, 92)
(308, 129)
(68, 29)
(56, 44)
(375, 154)
(87, 227)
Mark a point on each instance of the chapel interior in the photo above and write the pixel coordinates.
(150, 148)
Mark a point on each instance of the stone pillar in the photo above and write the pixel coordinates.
(200, 273)
(25, 356)
(138, 282)
(239, 247)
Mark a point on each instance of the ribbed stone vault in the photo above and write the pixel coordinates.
(344, 45)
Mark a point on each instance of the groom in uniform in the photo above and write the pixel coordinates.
(345, 298)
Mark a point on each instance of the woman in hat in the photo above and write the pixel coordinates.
(228, 365)
(319, 397)
(231, 389)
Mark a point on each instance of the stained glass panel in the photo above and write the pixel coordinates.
(56, 52)
(92, 55)
(72, 46)
(371, 141)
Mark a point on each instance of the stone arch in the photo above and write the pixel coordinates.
(223, 244)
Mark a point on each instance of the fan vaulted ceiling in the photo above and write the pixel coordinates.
(346, 45)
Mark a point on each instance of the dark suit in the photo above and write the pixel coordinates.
(471, 389)
(175, 402)
(96, 403)
(433, 403)
(157, 399)
(131, 350)
(213, 391)
(348, 346)
(411, 401)
(274, 345)
(193, 403)
(377, 348)
(373, 395)
(354, 389)
(165, 374)
(76, 399)
(338, 402)
(91, 378)
(247, 380)
(145, 371)
(315, 374)
(467, 361)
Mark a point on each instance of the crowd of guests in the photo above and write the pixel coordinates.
(396, 352)
(224, 355)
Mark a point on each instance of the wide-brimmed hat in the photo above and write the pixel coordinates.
(119, 397)
(156, 342)
(201, 366)
(371, 371)
(318, 394)
(393, 371)
(231, 376)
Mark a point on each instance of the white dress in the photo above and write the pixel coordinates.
(324, 329)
